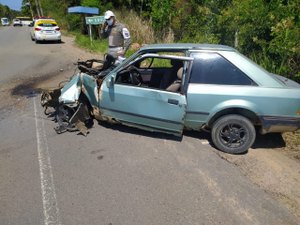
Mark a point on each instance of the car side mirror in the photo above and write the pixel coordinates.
(110, 81)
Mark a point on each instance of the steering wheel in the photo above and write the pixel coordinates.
(135, 77)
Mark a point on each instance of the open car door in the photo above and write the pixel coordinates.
(137, 105)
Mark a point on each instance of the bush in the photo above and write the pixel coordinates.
(141, 31)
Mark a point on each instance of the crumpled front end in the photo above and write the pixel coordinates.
(71, 107)
(70, 92)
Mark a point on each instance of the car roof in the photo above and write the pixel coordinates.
(187, 46)
(260, 76)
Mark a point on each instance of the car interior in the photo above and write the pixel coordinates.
(162, 72)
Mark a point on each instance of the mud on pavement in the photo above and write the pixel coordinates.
(32, 81)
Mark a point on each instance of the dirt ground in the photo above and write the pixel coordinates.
(272, 163)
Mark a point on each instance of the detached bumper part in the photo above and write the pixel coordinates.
(62, 128)
(80, 120)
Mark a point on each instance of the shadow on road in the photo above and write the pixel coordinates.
(50, 42)
(272, 140)
(262, 141)
(136, 131)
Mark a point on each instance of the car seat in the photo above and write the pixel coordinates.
(175, 86)
(171, 75)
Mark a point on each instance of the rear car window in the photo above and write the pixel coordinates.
(212, 68)
(47, 25)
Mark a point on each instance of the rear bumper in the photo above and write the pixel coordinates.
(48, 37)
(274, 124)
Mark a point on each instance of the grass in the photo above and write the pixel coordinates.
(99, 45)
(292, 140)
(96, 46)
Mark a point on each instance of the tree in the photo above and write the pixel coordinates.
(90, 3)
(5, 11)
(265, 30)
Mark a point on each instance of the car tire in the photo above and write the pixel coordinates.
(233, 134)
(37, 41)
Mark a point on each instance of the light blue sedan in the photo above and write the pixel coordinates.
(171, 87)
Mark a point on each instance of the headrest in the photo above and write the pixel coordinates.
(180, 73)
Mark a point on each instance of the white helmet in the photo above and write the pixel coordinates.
(108, 14)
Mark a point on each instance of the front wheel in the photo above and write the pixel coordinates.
(233, 134)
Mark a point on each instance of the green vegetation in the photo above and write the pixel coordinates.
(5, 11)
(267, 31)
(83, 41)
(292, 140)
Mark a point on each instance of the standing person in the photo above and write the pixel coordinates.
(118, 35)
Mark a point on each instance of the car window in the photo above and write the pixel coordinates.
(162, 73)
(47, 25)
(155, 63)
(212, 68)
(159, 62)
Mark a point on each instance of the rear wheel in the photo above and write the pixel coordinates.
(233, 134)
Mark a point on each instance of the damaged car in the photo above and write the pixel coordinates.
(174, 87)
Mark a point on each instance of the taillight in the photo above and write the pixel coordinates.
(37, 29)
(57, 28)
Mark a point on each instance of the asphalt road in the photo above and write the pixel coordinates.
(114, 176)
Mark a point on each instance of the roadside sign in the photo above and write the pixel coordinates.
(95, 20)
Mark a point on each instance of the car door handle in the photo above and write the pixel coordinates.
(173, 101)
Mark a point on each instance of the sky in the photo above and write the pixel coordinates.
(13, 4)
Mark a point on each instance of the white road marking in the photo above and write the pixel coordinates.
(50, 207)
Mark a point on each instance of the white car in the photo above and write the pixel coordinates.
(45, 30)
(17, 22)
(4, 21)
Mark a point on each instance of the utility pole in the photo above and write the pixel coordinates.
(37, 8)
(29, 4)
(41, 9)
